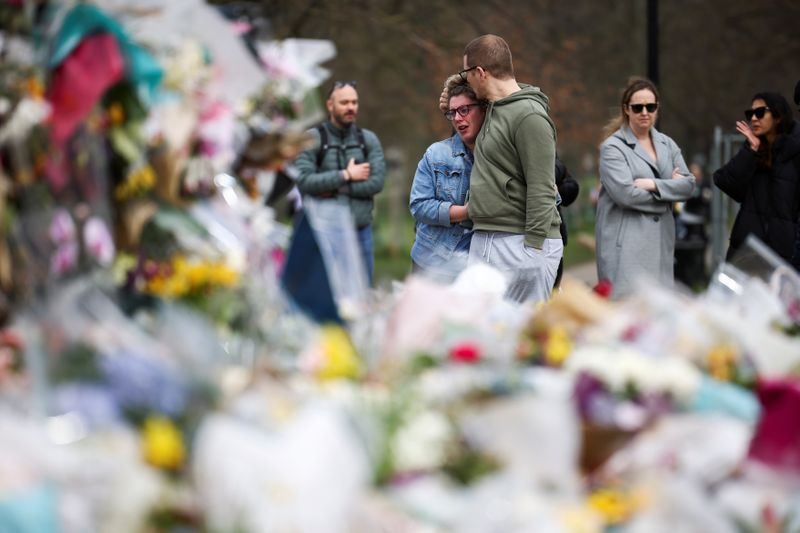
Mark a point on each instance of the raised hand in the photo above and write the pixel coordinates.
(744, 128)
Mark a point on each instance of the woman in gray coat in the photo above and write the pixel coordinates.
(642, 173)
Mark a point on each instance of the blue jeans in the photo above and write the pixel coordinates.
(367, 250)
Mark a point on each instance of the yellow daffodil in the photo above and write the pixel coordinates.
(138, 182)
(190, 278)
(116, 114)
(35, 88)
(340, 360)
(721, 361)
(557, 347)
(614, 506)
(162, 443)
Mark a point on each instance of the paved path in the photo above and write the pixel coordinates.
(586, 272)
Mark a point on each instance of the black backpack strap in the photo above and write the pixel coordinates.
(362, 142)
(323, 143)
(324, 146)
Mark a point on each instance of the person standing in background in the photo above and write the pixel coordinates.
(764, 176)
(439, 190)
(512, 188)
(642, 173)
(345, 164)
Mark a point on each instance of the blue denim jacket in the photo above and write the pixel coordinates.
(442, 180)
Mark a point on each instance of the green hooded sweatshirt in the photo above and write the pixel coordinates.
(512, 185)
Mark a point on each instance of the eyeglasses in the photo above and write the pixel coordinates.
(638, 108)
(461, 110)
(758, 112)
(463, 73)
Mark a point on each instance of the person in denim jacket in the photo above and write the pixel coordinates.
(439, 192)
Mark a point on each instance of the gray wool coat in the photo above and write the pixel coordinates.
(635, 229)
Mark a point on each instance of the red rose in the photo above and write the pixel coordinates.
(465, 353)
(603, 288)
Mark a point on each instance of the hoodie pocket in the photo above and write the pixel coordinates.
(487, 200)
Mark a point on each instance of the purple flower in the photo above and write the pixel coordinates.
(587, 390)
(93, 402)
(140, 383)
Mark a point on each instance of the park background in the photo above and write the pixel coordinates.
(712, 57)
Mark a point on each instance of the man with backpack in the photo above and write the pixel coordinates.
(345, 164)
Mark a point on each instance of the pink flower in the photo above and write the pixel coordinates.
(64, 259)
(98, 241)
(466, 352)
(62, 228)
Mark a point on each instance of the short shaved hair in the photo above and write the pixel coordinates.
(491, 53)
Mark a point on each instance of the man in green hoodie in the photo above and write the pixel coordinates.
(512, 199)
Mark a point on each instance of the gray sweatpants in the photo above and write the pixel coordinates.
(531, 273)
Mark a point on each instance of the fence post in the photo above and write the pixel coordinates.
(719, 223)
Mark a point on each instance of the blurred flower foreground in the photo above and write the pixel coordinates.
(160, 370)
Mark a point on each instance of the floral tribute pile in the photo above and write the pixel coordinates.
(154, 377)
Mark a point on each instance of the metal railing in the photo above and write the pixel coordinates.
(722, 208)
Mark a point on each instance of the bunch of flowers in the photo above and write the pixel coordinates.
(550, 346)
(209, 286)
(128, 387)
(728, 362)
(139, 181)
(181, 277)
(620, 391)
(626, 389)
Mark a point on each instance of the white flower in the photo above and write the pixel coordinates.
(421, 444)
(625, 367)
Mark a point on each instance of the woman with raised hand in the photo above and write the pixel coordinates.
(763, 176)
(642, 172)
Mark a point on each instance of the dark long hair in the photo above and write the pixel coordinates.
(782, 117)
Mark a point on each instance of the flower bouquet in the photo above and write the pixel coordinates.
(620, 392)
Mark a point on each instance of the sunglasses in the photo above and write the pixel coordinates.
(461, 110)
(341, 83)
(759, 112)
(463, 73)
(638, 108)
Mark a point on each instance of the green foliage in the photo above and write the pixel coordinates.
(77, 363)
(465, 464)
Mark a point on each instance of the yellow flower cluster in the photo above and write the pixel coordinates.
(616, 507)
(138, 182)
(35, 88)
(116, 114)
(339, 357)
(721, 362)
(162, 443)
(558, 346)
(190, 278)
